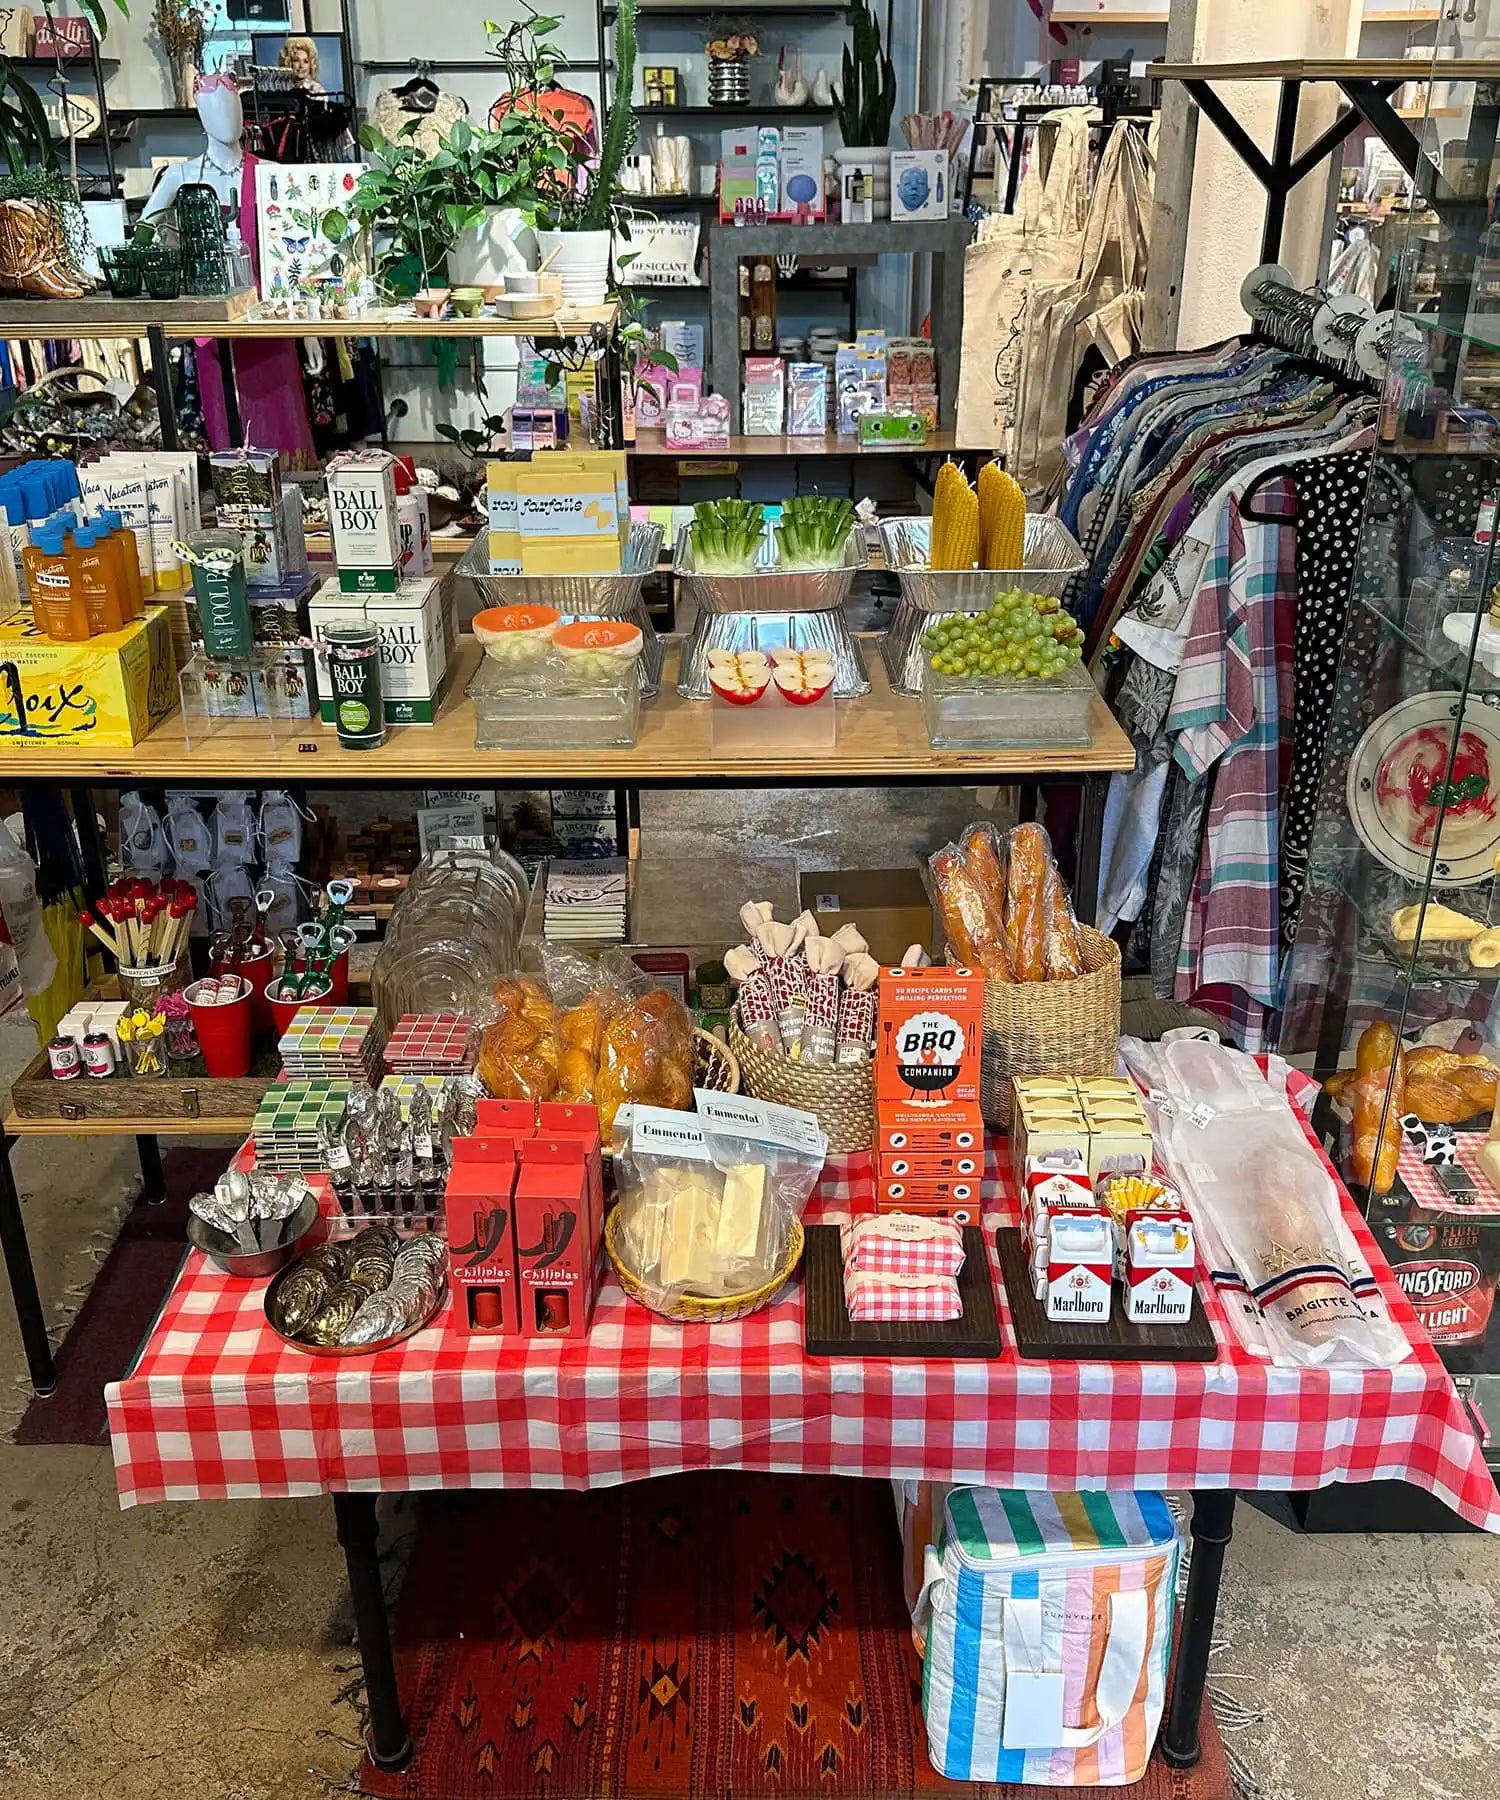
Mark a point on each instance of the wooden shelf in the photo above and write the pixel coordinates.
(103, 1125)
(880, 738)
(99, 316)
(649, 441)
(1349, 68)
(750, 109)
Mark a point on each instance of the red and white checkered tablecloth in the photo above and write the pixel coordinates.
(217, 1407)
(1421, 1182)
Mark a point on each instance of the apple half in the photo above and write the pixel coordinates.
(802, 676)
(739, 676)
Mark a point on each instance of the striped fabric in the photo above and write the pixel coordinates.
(1070, 1563)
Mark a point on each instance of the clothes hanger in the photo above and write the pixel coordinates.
(420, 94)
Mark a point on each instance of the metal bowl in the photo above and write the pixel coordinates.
(584, 596)
(1051, 558)
(769, 589)
(224, 1253)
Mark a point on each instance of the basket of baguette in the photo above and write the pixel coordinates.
(1052, 986)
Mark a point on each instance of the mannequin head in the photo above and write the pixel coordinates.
(217, 98)
(300, 56)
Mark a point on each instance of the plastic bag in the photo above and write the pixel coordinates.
(707, 1200)
(1005, 907)
(1266, 1208)
(143, 844)
(520, 1050)
(234, 828)
(624, 1040)
(22, 909)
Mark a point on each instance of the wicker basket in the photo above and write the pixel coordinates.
(1051, 1027)
(693, 1309)
(714, 1065)
(841, 1098)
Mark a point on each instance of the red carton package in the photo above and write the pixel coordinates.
(956, 1200)
(930, 1037)
(934, 1165)
(478, 1205)
(564, 1119)
(518, 1117)
(910, 1130)
(557, 1254)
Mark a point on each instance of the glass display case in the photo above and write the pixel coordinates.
(1397, 942)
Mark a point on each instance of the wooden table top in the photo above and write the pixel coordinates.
(880, 738)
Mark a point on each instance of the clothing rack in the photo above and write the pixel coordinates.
(428, 66)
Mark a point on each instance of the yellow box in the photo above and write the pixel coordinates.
(108, 691)
(569, 556)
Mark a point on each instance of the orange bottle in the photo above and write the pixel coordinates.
(126, 553)
(95, 573)
(60, 613)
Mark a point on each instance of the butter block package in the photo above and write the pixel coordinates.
(108, 691)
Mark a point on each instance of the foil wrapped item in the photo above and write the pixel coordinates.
(372, 1268)
(330, 1258)
(299, 1296)
(382, 1316)
(334, 1317)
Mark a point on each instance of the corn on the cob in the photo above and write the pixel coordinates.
(955, 521)
(1002, 520)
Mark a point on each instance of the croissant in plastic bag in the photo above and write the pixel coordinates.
(645, 1055)
(520, 1051)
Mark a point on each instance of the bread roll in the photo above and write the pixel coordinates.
(974, 928)
(1025, 902)
(1436, 1101)
(983, 857)
(1062, 954)
(1378, 1073)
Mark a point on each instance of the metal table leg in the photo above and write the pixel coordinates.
(388, 1740)
(22, 1275)
(153, 1181)
(1212, 1528)
(1090, 848)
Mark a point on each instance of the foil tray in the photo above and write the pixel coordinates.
(1051, 558)
(769, 590)
(769, 631)
(584, 596)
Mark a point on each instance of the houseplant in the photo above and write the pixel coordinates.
(575, 240)
(182, 26)
(865, 97)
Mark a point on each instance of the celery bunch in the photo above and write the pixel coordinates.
(727, 536)
(814, 531)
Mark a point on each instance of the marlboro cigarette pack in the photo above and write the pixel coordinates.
(1080, 1268)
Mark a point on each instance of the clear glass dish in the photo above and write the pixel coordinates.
(1002, 712)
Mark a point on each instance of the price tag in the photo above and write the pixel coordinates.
(1164, 1103)
(1201, 1115)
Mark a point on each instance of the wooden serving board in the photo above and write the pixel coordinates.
(1048, 1340)
(218, 1104)
(829, 1331)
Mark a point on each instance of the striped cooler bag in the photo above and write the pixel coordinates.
(1049, 1634)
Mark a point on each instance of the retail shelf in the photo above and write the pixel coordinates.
(749, 110)
(69, 63)
(694, 13)
(1476, 328)
(880, 738)
(672, 202)
(98, 316)
(652, 442)
(1343, 68)
(101, 1125)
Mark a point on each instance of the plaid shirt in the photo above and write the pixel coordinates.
(1231, 712)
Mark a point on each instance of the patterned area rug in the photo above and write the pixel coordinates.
(707, 1637)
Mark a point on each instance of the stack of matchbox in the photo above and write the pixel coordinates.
(929, 1131)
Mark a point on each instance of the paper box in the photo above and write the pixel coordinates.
(919, 184)
(958, 1200)
(364, 521)
(909, 1129)
(108, 691)
(557, 1256)
(928, 1037)
(801, 164)
(890, 907)
(1159, 1261)
(478, 1204)
(1080, 1268)
(413, 644)
(933, 1165)
(560, 1119)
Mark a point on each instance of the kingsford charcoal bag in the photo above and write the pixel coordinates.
(1049, 1634)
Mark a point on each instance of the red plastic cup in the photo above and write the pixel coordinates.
(340, 976)
(284, 1011)
(223, 1031)
(257, 971)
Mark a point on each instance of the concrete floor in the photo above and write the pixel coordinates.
(199, 1652)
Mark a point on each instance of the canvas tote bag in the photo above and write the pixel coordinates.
(1041, 241)
(1105, 294)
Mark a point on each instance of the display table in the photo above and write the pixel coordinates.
(217, 1407)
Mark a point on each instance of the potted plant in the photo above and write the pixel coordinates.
(865, 97)
(182, 26)
(575, 240)
(729, 52)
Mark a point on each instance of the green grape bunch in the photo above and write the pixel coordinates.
(1018, 634)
